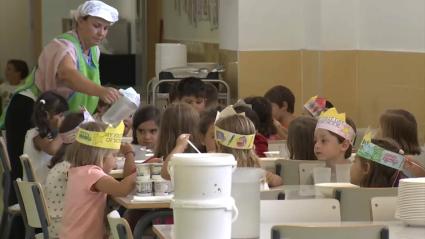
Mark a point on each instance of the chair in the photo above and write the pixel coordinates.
(302, 210)
(10, 212)
(119, 226)
(146, 221)
(330, 231)
(269, 164)
(290, 192)
(306, 172)
(355, 202)
(33, 200)
(383, 208)
(29, 172)
(290, 171)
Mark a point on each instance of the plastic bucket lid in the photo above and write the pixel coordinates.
(204, 159)
(226, 203)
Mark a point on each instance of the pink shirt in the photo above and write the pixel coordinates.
(84, 209)
(48, 63)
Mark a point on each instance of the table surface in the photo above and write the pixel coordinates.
(128, 203)
(396, 228)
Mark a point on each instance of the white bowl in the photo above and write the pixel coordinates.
(327, 189)
(272, 154)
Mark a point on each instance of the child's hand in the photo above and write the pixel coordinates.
(181, 143)
(126, 148)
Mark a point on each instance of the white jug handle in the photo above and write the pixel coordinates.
(235, 212)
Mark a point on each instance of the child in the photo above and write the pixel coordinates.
(263, 108)
(182, 122)
(334, 136)
(191, 90)
(16, 71)
(301, 138)
(211, 95)
(283, 101)
(235, 135)
(91, 158)
(366, 172)
(42, 141)
(206, 128)
(316, 105)
(58, 175)
(146, 123)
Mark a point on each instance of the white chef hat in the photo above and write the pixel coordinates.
(96, 9)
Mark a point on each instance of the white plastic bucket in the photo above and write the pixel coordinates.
(246, 193)
(201, 176)
(206, 219)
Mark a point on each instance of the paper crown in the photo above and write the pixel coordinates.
(109, 139)
(373, 152)
(226, 112)
(315, 105)
(233, 140)
(335, 122)
(69, 136)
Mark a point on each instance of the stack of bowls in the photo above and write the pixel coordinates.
(411, 201)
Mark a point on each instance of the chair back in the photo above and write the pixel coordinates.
(35, 205)
(119, 226)
(290, 170)
(269, 164)
(6, 175)
(330, 231)
(29, 172)
(355, 202)
(302, 210)
(383, 208)
(306, 172)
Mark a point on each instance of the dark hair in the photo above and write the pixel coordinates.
(211, 94)
(70, 122)
(301, 138)
(279, 94)
(143, 114)
(249, 113)
(380, 175)
(190, 86)
(329, 104)
(401, 126)
(48, 104)
(263, 108)
(341, 139)
(207, 118)
(20, 66)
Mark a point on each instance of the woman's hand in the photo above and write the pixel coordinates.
(109, 95)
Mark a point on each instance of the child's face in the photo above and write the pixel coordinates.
(356, 171)
(56, 120)
(109, 162)
(209, 140)
(147, 134)
(196, 102)
(326, 146)
(12, 75)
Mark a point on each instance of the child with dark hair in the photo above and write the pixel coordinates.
(263, 108)
(146, 122)
(42, 141)
(192, 91)
(283, 102)
(211, 95)
(16, 71)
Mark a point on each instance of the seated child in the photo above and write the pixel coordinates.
(301, 138)
(146, 121)
(316, 105)
(206, 128)
(16, 71)
(191, 90)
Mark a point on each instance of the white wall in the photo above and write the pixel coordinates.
(14, 33)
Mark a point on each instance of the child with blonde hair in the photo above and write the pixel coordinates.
(92, 157)
(234, 134)
(334, 138)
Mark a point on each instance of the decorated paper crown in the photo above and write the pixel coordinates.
(69, 136)
(373, 152)
(109, 139)
(335, 122)
(315, 105)
(230, 139)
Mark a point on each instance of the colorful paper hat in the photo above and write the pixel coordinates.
(315, 105)
(226, 112)
(335, 122)
(109, 139)
(233, 140)
(375, 153)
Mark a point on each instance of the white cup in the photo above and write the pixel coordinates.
(156, 171)
(322, 175)
(144, 188)
(143, 170)
(343, 173)
(161, 187)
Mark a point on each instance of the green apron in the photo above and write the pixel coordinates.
(76, 99)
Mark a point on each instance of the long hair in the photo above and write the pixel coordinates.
(401, 126)
(380, 175)
(80, 154)
(177, 119)
(146, 113)
(240, 125)
(301, 138)
(263, 108)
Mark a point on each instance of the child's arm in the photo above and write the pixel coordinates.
(50, 146)
(273, 180)
(181, 145)
(129, 165)
(110, 186)
(415, 168)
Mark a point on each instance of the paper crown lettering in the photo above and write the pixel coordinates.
(233, 140)
(335, 122)
(373, 152)
(109, 139)
(315, 105)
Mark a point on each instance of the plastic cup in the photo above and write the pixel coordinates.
(144, 188)
(322, 175)
(144, 171)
